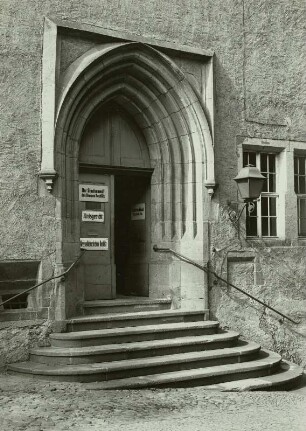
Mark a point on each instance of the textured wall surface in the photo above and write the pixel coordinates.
(259, 92)
(17, 338)
(270, 270)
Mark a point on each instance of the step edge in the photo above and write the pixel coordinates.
(197, 339)
(130, 316)
(120, 302)
(208, 371)
(127, 330)
(126, 364)
(294, 372)
(209, 353)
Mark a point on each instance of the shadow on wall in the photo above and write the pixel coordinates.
(15, 277)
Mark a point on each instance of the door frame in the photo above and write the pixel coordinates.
(112, 171)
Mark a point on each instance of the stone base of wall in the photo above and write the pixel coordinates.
(237, 312)
(17, 338)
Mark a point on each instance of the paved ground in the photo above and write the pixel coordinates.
(26, 404)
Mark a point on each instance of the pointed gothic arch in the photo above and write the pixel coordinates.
(169, 112)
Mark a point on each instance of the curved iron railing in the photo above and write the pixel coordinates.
(62, 276)
(209, 271)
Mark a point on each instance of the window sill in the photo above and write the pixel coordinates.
(276, 241)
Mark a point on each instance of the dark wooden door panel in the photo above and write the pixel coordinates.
(99, 270)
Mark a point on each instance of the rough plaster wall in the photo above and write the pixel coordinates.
(276, 276)
(71, 48)
(27, 228)
(259, 65)
(274, 57)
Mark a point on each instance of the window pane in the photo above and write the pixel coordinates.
(296, 184)
(272, 178)
(252, 159)
(264, 207)
(302, 217)
(272, 206)
(302, 208)
(273, 226)
(302, 227)
(245, 159)
(302, 184)
(265, 184)
(296, 162)
(253, 213)
(264, 226)
(302, 161)
(249, 158)
(251, 221)
(263, 162)
(271, 163)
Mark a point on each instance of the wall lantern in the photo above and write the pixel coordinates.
(250, 183)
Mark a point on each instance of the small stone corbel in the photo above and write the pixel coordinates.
(211, 185)
(48, 177)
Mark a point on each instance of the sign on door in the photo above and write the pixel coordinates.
(94, 243)
(138, 212)
(93, 216)
(93, 193)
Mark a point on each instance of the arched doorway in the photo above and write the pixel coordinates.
(113, 156)
(168, 113)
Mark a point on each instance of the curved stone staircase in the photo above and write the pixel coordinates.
(141, 343)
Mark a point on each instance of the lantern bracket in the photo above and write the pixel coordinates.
(234, 217)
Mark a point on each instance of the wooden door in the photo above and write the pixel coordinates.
(96, 203)
(111, 140)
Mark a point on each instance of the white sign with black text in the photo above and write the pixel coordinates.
(94, 243)
(93, 193)
(138, 212)
(93, 216)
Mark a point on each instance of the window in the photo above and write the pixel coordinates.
(300, 190)
(262, 221)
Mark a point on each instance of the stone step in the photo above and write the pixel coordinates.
(118, 320)
(267, 364)
(132, 334)
(140, 367)
(125, 305)
(117, 352)
(286, 378)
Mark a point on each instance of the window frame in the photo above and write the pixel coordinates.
(299, 196)
(265, 194)
(285, 150)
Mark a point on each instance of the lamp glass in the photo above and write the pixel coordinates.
(250, 183)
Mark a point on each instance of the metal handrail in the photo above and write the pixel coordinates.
(62, 275)
(209, 271)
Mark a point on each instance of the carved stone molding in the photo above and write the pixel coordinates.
(49, 178)
(211, 187)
